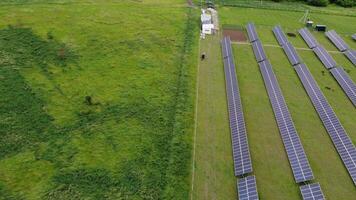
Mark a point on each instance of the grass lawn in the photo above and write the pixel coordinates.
(213, 163)
(97, 99)
(270, 163)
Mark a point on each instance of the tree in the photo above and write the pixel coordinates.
(321, 3)
(346, 3)
(88, 100)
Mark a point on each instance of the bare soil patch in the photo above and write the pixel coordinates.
(235, 35)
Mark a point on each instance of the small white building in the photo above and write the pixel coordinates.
(207, 29)
(206, 23)
(205, 18)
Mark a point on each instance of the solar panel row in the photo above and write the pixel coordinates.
(341, 141)
(308, 38)
(259, 51)
(312, 192)
(341, 77)
(251, 32)
(324, 57)
(345, 82)
(342, 46)
(279, 34)
(291, 53)
(293, 146)
(241, 154)
(337, 133)
(351, 55)
(247, 188)
(296, 155)
(336, 40)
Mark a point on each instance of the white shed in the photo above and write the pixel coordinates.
(205, 18)
(207, 28)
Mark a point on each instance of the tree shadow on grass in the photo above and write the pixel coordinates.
(23, 120)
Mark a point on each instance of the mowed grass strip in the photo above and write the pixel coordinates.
(214, 175)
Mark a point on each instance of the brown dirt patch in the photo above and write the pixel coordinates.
(235, 35)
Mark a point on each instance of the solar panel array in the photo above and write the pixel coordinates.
(296, 155)
(312, 192)
(280, 36)
(292, 144)
(322, 54)
(351, 55)
(345, 82)
(241, 153)
(308, 38)
(251, 32)
(258, 51)
(247, 188)
(288, 48)
(342, 46)
(342, 78)
(291, 53)
(336, 40)
(324, 57)
(337, 133)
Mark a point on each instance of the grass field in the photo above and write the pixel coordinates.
(98, 102)
(271, 167)
(97, 99)
(294, 6)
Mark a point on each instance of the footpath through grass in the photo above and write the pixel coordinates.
(97, 99)
(213, 159)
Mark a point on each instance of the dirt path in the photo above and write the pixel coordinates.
(277, 46)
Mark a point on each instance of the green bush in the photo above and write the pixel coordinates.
(321, 3)
(346, 3)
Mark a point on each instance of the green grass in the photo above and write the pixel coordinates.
(290, 6)
(137, 63)
(271, 167)
(213, 165)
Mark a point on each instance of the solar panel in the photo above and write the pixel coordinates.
(345, 82)
(280, 36)
(260, 54)
(251, 32)
(337, 40)
(312, 192)
(351, 55)
(308, 38)
(291, 53)
(324, 57)
(292, 144)
(240, 149)
(337, 133)
(247, 188)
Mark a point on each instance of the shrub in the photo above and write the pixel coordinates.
(321, 3)
(346, 3)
